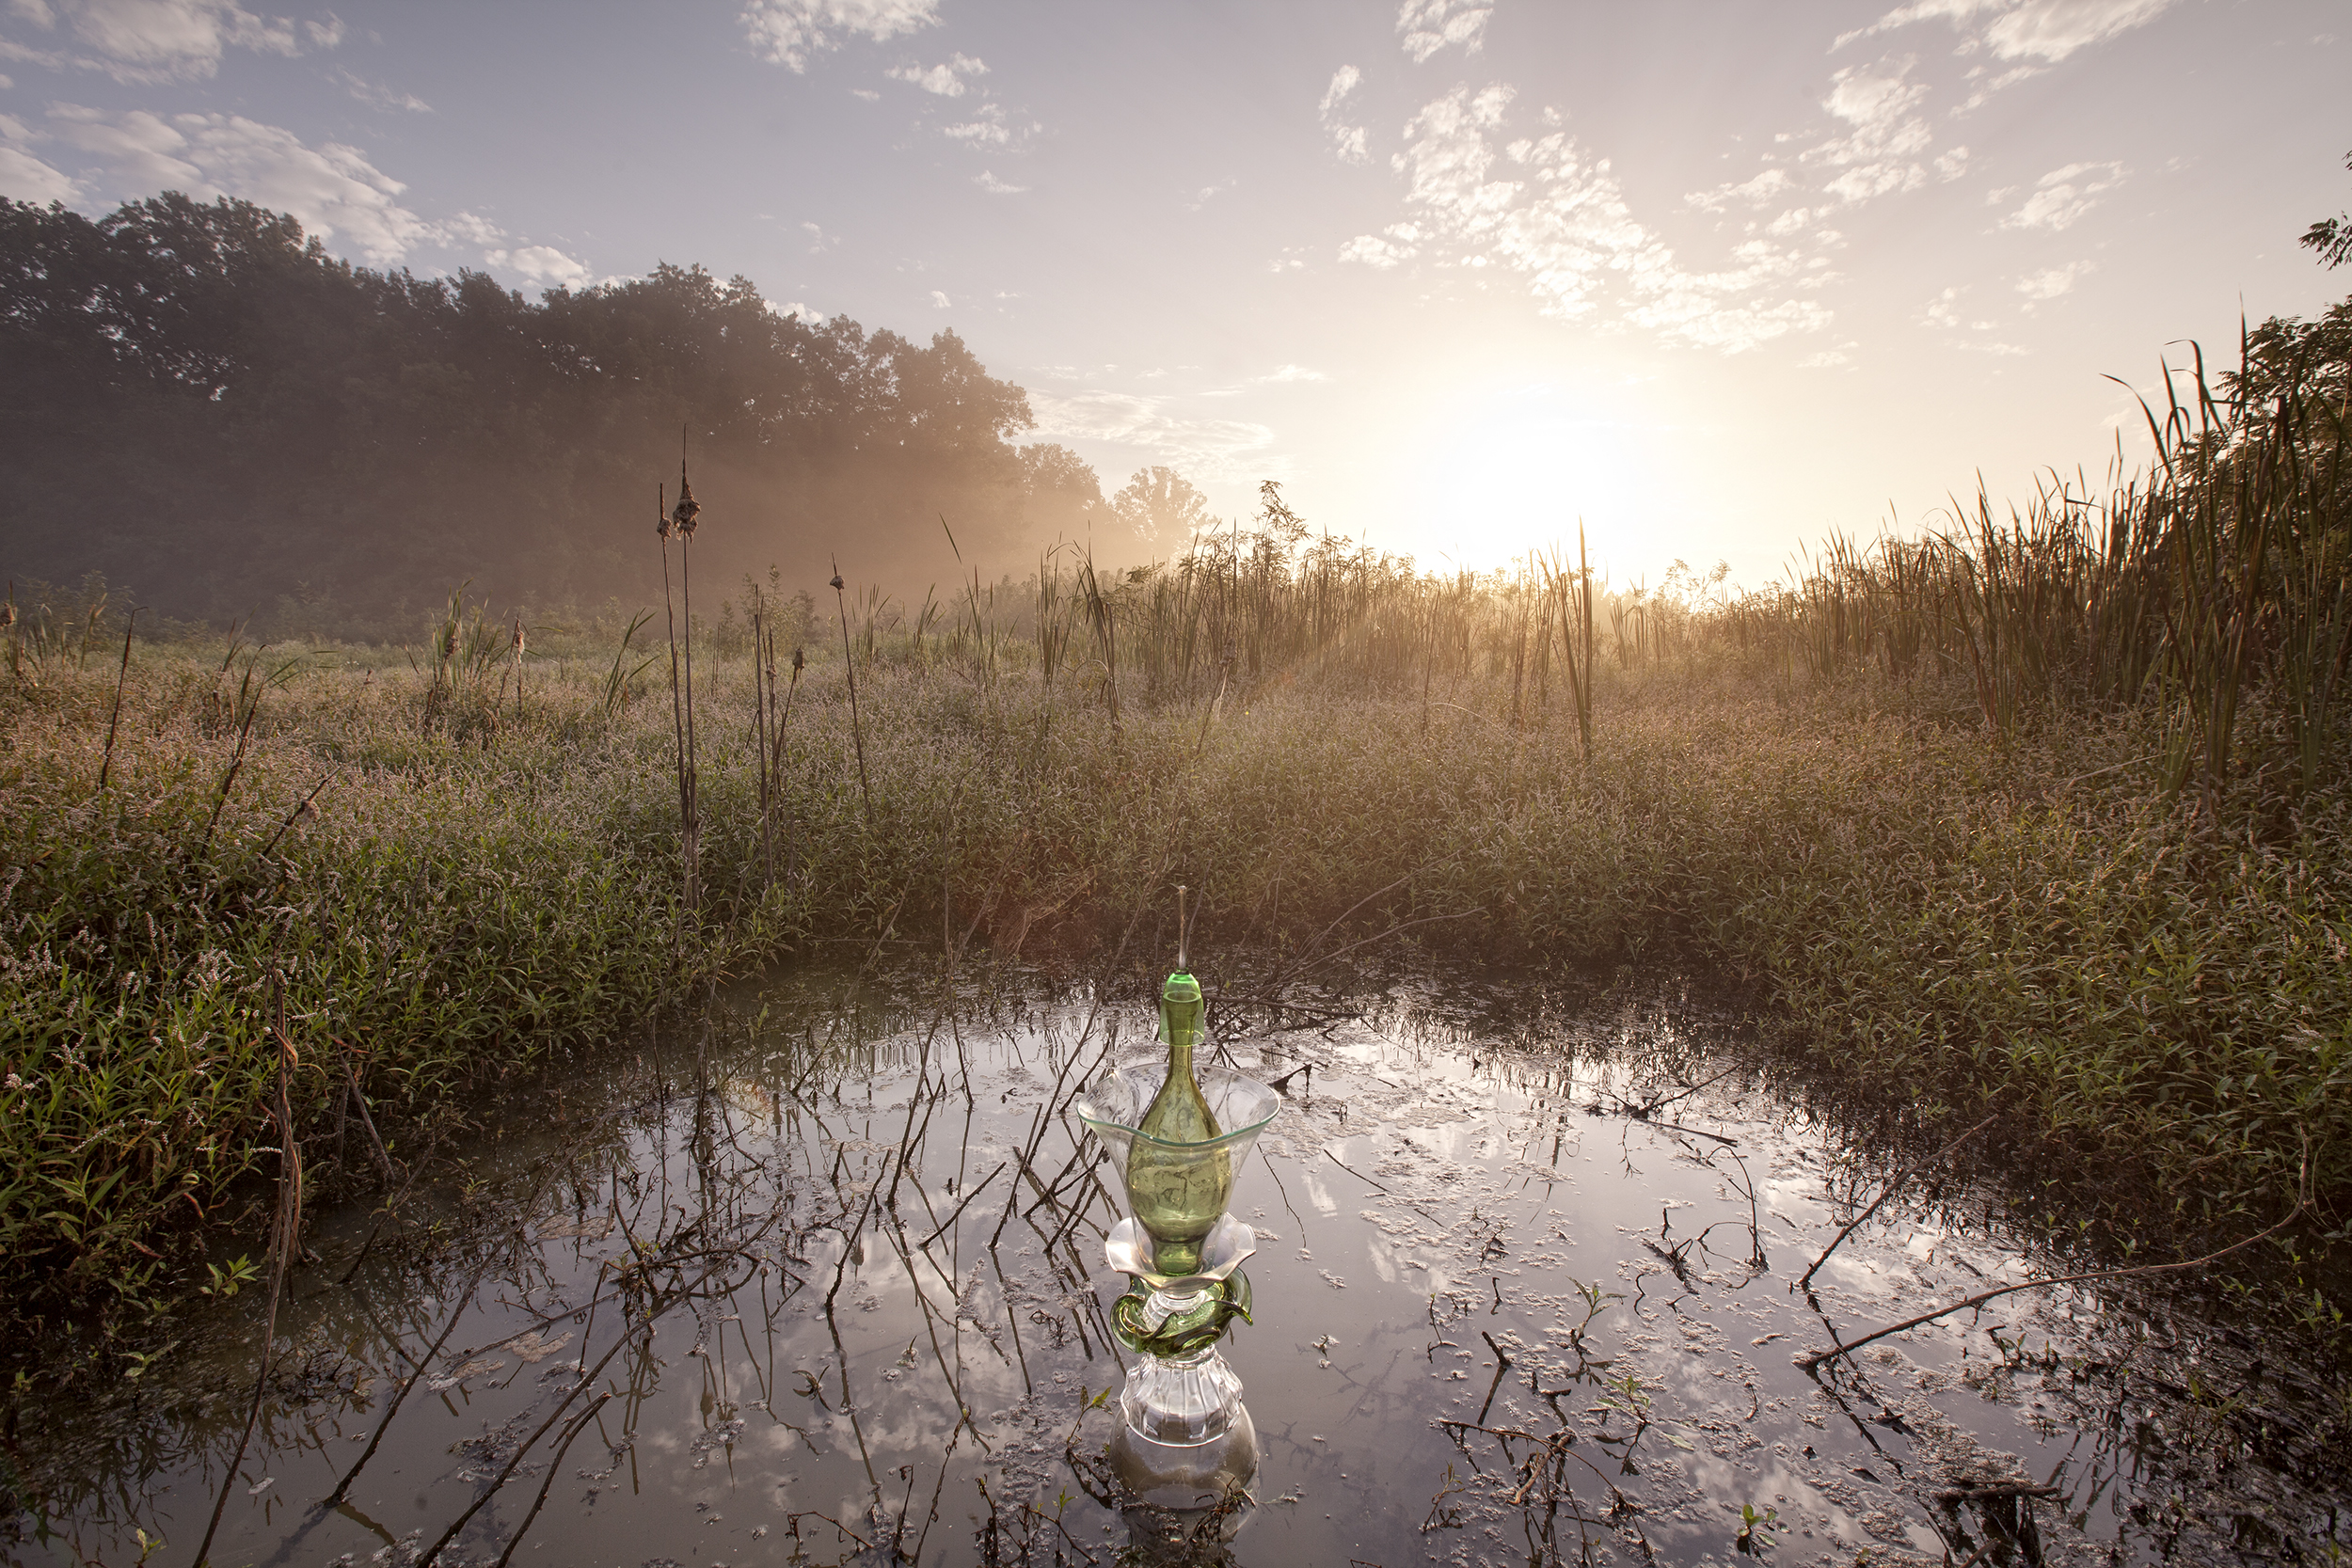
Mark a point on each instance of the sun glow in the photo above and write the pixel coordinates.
(1513, 470)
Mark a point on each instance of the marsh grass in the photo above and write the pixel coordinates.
(2048, 811)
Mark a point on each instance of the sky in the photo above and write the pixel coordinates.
(1711, 281)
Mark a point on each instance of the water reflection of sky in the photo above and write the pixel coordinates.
(1449, 1184)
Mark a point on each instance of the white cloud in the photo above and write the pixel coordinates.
(2043, 30)
(332, 188)
(946, 79)
(1544, 210)
(1291, 372)
(1348, 139)
(160, 40)
(1830, 359)
(795, 310)
(1944, 309)
(471, 228)
(1382, 252)
(1885, 133)
(542, 264)
(1205, 448)
(379, 97)
(2052, 29)
(939, 300)
(791, 32)
(986, 128)
(1427, 26)
(2050, 282)
(2064, 194)
(867, 93)
(993, 186)
(1752, 193)
(27, 179)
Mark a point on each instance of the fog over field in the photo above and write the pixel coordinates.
(1712, 279)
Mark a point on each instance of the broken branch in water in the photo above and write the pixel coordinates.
(2302, 1202)
(1887, 1191)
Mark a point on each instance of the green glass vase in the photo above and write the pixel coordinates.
(1178, 1188)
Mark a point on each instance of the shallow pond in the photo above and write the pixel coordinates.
(820, 1278)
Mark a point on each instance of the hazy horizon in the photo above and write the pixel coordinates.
(1717, 280)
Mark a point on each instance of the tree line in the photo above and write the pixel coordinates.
(206, 407)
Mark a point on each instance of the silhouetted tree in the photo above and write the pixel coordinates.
(206, 404)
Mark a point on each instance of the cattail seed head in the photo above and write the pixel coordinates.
(683, 515)
(798, 662)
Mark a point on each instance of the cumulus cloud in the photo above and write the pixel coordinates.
(1204, 448)
(1291, 372)
(939, 300)
(161, 41)
(2050, 282)
(27, 179)
(1546, 210)
(542, 264)
(2045, 31)
(473, 228)
(945, 79)
(790, 33)
(1348, 139)
(332, 188)
(1877, 153)
(1426, 26)
(2064, 194)
(987, 128)
(993, 186)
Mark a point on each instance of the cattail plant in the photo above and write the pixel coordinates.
(679, 521)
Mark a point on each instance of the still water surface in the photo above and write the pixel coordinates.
(819, 1278)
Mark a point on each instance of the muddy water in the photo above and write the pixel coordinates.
(819, 1278)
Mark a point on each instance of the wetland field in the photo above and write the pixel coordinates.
(597, 1087)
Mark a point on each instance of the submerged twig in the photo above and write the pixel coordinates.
(1808, 1362)
(1889, 1191)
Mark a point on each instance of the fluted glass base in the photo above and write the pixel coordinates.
(1181, 1401)
(1191, 1478)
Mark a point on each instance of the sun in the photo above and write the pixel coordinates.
(1516, 470)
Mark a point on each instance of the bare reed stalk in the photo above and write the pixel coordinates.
(763, 685)
(518, 645)
(114, 719)
(848, 666)
(285, 1239)
(250, 698)
(775, 764)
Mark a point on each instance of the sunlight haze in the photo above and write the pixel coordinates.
(1716, 279)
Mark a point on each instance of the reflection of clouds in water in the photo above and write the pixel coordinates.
(1399, 1100)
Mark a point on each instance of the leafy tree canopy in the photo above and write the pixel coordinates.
(206, 406)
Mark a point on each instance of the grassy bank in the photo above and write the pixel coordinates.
(1983, 835)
